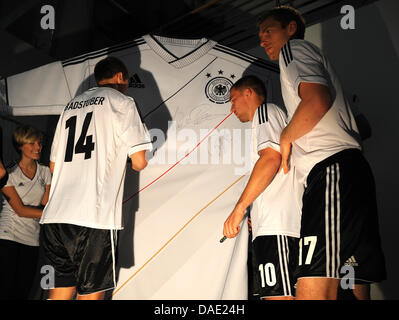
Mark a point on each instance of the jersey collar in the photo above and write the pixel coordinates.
(200, 48)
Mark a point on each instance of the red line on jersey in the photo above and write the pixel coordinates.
(198, 144)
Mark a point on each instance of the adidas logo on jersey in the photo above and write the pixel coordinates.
(135, 82)
(351, 262)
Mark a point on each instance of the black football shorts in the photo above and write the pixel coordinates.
(81, 257)
(339, 226)
(274, 259)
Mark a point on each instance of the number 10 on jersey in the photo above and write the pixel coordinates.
(84, 144)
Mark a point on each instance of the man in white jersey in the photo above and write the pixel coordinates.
(339, 226)
(95, 133)
(276, 210)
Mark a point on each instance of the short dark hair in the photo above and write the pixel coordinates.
(284, 15)
(108, 67)
(252, 82)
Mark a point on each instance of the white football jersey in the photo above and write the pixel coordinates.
(301, 61)
(161, 69)
(95, 133)
(20, 229)
(277, 210)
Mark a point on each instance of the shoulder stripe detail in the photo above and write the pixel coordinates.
(262, 113)
(102, 52)
(287, 53)
(285, 56)
(253, 60)
(128, 43)
(262, 108)
(244, 55)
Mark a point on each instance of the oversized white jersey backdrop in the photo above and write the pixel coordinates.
(174, 210)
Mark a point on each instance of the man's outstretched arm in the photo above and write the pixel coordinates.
(262, 175)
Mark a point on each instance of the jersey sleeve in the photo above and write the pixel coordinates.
(303, 63)
(47, 175)
(134, 131)
(28, 96)
(269, 123)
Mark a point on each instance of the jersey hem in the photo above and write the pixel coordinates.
(269, 144)
(278, 295)
(83, 224)
(98, 291)
(337, 278)
(141, 147)
(310, 79)
(21, 242)
(275, 233)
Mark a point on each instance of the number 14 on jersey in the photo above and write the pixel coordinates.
(84, 144)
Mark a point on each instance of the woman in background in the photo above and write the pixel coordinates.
(24, 196)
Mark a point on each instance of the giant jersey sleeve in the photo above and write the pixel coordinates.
(303, 63)
(43, 90)
(269, 123)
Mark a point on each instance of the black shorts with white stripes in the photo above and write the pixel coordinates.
(274, 261)
(339, 221)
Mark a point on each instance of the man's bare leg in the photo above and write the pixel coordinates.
(62, 293)
(317, 289)
(279, 298)
(362, 291)
(92, 296)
